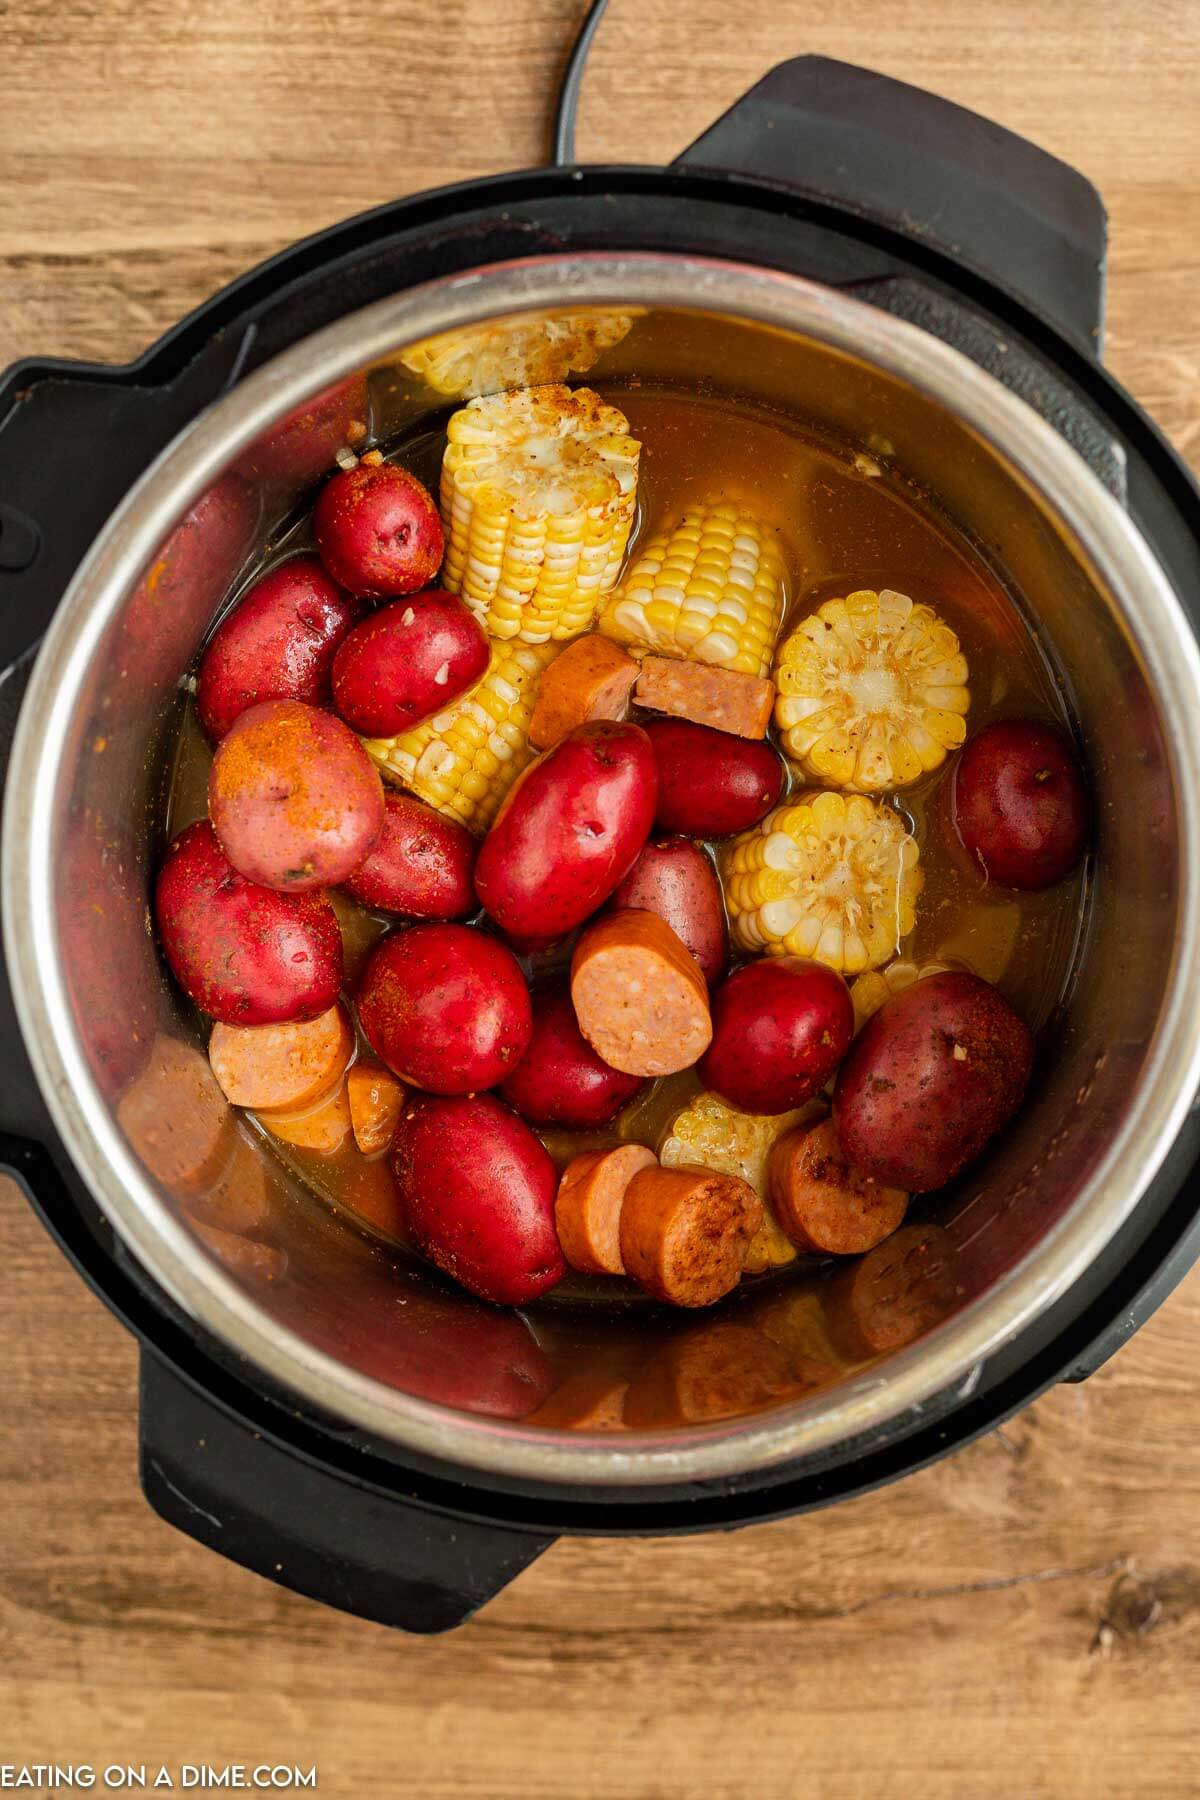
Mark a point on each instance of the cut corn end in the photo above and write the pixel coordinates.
(709, 587)
(872, 692)
(538, 496)
(829, 876)
(464, 760)
(517, 353)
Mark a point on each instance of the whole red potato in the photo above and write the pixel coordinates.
(710, 783)
(560, 1080)
(377, 530)
(245, 954)
(932, 1076)
(420, 865)
(446, 1008)
(781, 1026)
(1016, 799)
(293, 797)
(569, 830)
(477, 1189)
(277, 644)
(676, 880)
(406, 661)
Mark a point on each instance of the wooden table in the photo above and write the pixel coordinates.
(1022, 1620)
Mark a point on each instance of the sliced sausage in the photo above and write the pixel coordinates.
(685, 1232)
(591, 679)
(639, 995)
(587, 1211)
(375, 1098)
(724, 698)
(176, 1118)
(281, 1068)
(826, 1207)
(325, 1127)
(899, 1291)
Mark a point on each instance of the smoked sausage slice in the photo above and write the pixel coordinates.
(587, 1210)
(639, 995)
(826, 1207)
(685, 1232)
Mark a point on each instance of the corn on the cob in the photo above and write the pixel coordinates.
(708, 587)
(872, 692)
(516, 353)
(829, 876)
(538, 496)
(464, 760)
(876, 986)
(718, 1136)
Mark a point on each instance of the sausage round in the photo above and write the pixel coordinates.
(639, 995)
(587, 1211)
(826, 1207)
(685, 1232)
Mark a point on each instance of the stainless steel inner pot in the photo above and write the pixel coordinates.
(1115, 1083)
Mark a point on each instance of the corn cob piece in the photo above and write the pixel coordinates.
(715, 1135)
(464, 760)
(829, 876)
(876, 986)
(708, 587)
(872, 692)
(538, 495)
(516, 353)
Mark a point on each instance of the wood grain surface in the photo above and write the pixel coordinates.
(1022, 1620)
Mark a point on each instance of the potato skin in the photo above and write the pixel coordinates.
(931, 1077)
(781, 1026)
(675, 879)
(710, 783)
(420, 865)
(245, 954)
(478, 1189)
(1017, 804)
(569, 831)
(278, 643)
(561, 1080)
(377, 530)
(445, 1007)
(294, 798)
(406, 661)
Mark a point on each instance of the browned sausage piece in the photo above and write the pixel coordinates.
(281, 1068)
(376, 1098)
(639, 995)
(899, 1291)
(176, 1118)
(723, 698)
(684, 1233)
(826, 1207)
(718, 1370)
(590, 679)
(325, 1127)
(587, 1212)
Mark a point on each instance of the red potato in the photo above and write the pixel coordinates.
(421, 864)
(561, 1080)
(445, 1007)
(276, 644)
(781, 1026)
(378, 530)
(245, 954)
(303, 445)
(568, 831)
(932, 1076)
(823, 1205)
(710, 783)
(674, 879)
(1017, 801)
(294, 798)
(407, 661)
(478, 1191)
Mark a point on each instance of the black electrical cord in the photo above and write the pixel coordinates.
(567, 110)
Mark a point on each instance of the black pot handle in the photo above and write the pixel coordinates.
(317, 1533)
(1025, 221)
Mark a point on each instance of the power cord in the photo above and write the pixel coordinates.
(567, 110)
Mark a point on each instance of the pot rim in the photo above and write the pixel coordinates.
(948, 1358)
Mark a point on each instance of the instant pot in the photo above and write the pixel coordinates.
(916, 281)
